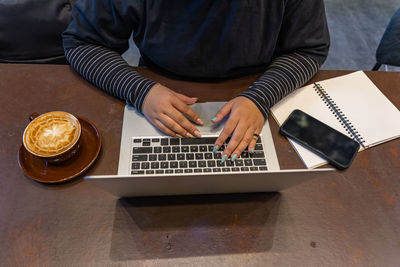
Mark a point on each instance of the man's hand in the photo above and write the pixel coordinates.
(166, 108)
(245, 120)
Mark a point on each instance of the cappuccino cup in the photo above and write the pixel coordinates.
(53, 137)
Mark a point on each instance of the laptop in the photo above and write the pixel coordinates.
(153, 164)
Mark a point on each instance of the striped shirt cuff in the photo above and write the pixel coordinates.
(107, 70)
(285, 74)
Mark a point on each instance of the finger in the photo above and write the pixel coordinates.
(174, 126)
(163, 128)
(248, 138)
(225, 110)
(253, 141)
(186, 99)
(239, 141)
(226, 132)
(185, 109)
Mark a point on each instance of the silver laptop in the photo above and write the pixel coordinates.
(152, 163)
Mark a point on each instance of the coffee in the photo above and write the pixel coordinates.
(52, 134)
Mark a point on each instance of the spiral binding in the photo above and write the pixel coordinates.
(347, 125)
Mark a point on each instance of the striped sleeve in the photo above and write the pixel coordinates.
(110, 72)
(285, 74)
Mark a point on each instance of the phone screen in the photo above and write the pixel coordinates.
(329, 143)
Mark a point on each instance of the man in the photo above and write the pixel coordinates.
(203, 40)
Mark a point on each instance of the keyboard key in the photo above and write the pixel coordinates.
(173, 164)
(226, 169)
(189, 156)
(152, 157)
(180, 157)
(208, 155)
(244, 154)
(202, 163)
(263, 168)
(216, 169)
(171, 157)
(159, 171)
(198, 141)
(235, 169)
(258, 147)
(137, 140)
(198, 170)
(229, 163)
(162, 157)
(188, 170)
(142, 150)
(150, 172)
(146, 144)
(192, 164)
(136, 172)
(207, 170)
(169, 171)
(239, 162)
(259, 140)
(174, 141)
(145, 165)
(210, 163)
(220, 164)
(155, 140)
(194, 149)
(185, 149)
(183, 164)
(210, 148)
(155, 165)
(139, 157)
(253, 168)
(259, 162)
(248, 162)
(203, 148)
(176, 149)
(157, 149)
(244, 169)
(199, 156)
(257, 154)
(146, 140)
(166, 149)
(136, 165)
(164, 165)
(164, 141)
(178, 171)
(217, 155)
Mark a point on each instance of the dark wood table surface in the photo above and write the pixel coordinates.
(349, 218)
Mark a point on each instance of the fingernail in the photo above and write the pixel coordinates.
(224, 158)
(252, 150)
(189, 135)
(215, 148)
(234, 157)
(199, 121)
(197, 133)
(213, 118)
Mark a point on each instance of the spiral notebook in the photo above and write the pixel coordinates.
(351, 104)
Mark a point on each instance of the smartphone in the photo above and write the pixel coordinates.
(337, 148)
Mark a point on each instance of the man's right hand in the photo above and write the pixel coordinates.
(166, 108)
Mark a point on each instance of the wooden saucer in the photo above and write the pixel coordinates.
(44, 172)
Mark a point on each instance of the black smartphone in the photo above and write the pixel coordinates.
(337, 148)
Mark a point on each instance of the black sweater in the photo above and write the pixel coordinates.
(204, 39)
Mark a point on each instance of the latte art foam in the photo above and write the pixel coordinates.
(52, 134)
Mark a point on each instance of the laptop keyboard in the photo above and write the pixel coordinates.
(190, 156)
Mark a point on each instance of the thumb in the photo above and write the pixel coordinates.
(187, 100)
(225, 110)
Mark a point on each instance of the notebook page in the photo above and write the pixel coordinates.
(375, 118)
(307, 100)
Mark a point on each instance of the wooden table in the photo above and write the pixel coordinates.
(349, 218)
